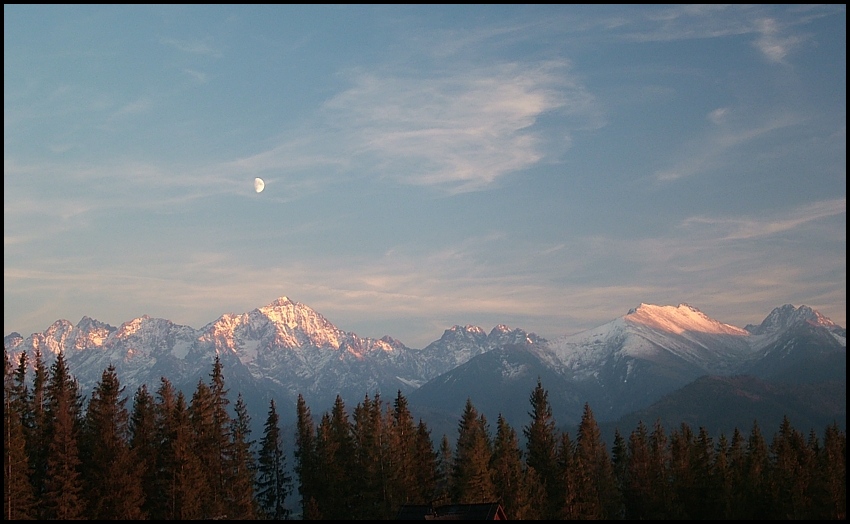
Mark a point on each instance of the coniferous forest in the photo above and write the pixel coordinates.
(166, 457)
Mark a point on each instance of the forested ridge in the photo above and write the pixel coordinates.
(168, 457)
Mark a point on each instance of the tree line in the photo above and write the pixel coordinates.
(168, 457)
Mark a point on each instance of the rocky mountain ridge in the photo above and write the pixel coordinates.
(286, 348)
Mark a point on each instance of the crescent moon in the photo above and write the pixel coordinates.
(259, 185)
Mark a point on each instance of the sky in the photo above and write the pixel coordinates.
(425, 166)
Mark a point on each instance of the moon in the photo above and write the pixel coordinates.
(259, 185)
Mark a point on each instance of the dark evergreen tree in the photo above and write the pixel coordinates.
(507, 467)
(597, 495)
(63, 486)
(755, 487)
(830, 486)
(18, 497)
(241, 467)
(471, 480)
(639, 476)
(682, 472)
(371, 468)
(306, 460)
(425, 466)
(402, 439)
(792, 471)
(732, 490)
(445, 467)
(181, 478)
(568, 478)
(110, 470)
(273, 481)
(335, 496)
(541, 449)
(661, 493)
(620, 463)
(145, 446)
(36, 430)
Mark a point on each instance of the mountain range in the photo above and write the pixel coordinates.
(671, 363)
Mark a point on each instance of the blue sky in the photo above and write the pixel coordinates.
(543, 167)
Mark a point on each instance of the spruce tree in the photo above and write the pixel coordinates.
(425, 466)
(306, 459)
(471, 478)
(18, 497)
(831, 481)
(273, 481)
(111, 476)
(445, 467)
(36, 430)
(145, 446)
(63, 486)
(597, 494)
(507, 467)
(241, 466)
(370, 465)
(638, 483)
(541, 449)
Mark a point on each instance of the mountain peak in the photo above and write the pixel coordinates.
(678, 319)
(281, 301)
(788, 315)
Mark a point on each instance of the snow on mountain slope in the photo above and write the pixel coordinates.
(651, 332)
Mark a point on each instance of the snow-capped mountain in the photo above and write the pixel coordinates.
(634, 360)
(286, 348)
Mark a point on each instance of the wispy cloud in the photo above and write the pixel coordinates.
(744, 228)
(459, 131)
(773, 44)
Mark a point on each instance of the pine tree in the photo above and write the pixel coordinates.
(638, 483)
(791, 473)
(597, 494)
(63, 486)
(369, 461)
(306, 460)
(145, 446)
(661, 495)
(18, 497)
(682, 472)
(830, 486)
(471, 478)
(402, 438)
(620, 462)
(36, 429)
(569, 476)
(273, 481)
(445, 466)
(241, 466)
(335, 452)
(541, 442)
(110, 472)
(425, 466)
(181, 480)
(755, 490)
(211, 425)
(507, 467)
